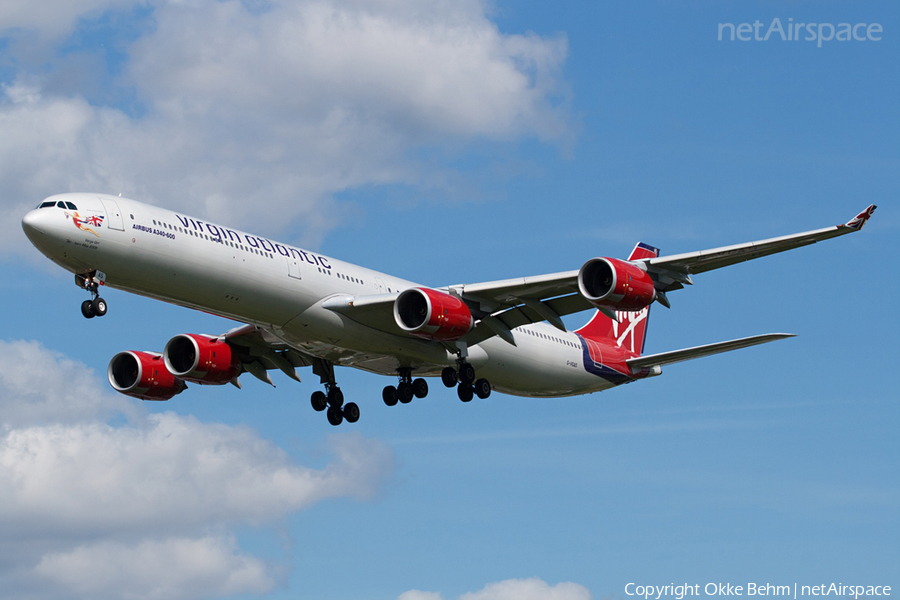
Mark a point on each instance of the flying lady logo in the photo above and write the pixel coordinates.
(85, 224)
(623, 329)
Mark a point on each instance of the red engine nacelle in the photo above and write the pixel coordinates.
(432, 315)
(615, 284)
(201, 359)
(143, 375)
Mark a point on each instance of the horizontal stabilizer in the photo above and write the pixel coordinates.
(667, 358)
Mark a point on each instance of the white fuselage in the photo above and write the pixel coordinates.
(160, 254)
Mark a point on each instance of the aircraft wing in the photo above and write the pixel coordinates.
(677, 268)
(500, 306)
(667, 358)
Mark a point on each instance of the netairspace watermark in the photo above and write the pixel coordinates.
(810, 32)
(679, 592)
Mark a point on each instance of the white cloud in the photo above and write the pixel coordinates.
(50, 18)
(529, 589)
(41, 386)
(421, 68)
(151, 570)
(257, 118)
(419, 595)
(514, 589)
(171, 474)
(144, 509)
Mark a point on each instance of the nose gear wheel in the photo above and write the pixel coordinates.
(96, 306)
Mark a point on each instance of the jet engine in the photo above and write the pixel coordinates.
(432, 315)
(615, 284)
(143, 375)
(201, 359)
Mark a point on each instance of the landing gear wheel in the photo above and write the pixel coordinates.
(336, 397)
(482, 388)
(335, 416)
(465, 392)
(351, 412)
(87, 310)
(389, 395)
(319, 401)
(466, 373)
(98, 306)
(448, 376)
(420, 388)
(405, 392)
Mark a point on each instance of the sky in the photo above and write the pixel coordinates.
(451, 142)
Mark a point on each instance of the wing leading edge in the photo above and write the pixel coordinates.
(679, 267)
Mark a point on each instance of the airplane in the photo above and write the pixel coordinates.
(299, 308)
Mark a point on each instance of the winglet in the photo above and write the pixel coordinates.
(859, 220)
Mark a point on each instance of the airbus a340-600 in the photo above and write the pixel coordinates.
(300, 308)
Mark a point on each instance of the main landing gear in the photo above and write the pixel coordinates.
(332, 399)
(467, 387)
(405, 390)
(96, 306)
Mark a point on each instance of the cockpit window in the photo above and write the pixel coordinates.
(71, 206)
(47, 204)
(61, 204)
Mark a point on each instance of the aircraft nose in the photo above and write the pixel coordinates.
(31, 223)
(38, 226)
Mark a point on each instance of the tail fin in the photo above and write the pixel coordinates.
(631, 329)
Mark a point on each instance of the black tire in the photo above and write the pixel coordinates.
(319, 401)
(466, 374)
(389, 395)
(335, 416)
(405, 392)
(420, 387)
(87, 309)
(351, 412)
(98, 306)
(448, 376)
(482, 388)
(465, 392)
(335, 397)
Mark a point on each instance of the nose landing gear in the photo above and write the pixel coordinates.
(96, 307)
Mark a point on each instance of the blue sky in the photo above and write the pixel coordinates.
(447, 143)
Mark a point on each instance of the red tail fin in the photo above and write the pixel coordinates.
(631, 329)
